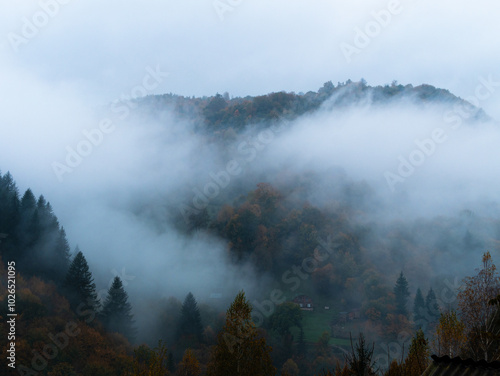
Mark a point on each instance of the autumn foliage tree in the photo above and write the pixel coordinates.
(240, 351)
(450, 336)
(418, 358)
(189, 366)
(148, 362)
(478, 316)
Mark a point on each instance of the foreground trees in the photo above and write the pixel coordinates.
(239, 350)
(359, 360)
(478, 316)
(450, 335)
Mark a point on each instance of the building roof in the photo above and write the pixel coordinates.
(444, 366)
(302, 298)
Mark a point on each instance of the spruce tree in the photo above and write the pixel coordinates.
(26, 211)
(239, 349)
(190, 325)
(61, 253)
(432, 307)
(401, 294)
(419, 309)
(79, 284)
(418, 358)
(360, 359)
(117, 312)
(9, 218)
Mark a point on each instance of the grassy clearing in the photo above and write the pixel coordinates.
(315, 323)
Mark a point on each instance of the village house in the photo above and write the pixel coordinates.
(304, 302)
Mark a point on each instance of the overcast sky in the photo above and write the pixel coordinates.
(101, 49)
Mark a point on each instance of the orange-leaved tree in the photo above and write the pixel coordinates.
(479, 317)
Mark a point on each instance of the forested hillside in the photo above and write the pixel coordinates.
(334, 279)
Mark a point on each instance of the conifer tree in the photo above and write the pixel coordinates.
(9, 217)
(190, 325)
(419, 309)
(418, 358)
(401, 294)
(62, 250)
(79, 284)
(116, 312)
(239, 350)
(432, 307)
(359, 359)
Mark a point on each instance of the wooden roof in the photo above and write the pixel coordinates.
(444, 366)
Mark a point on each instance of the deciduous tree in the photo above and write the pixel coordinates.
(477, 315)
(189, 366)
(450, 336)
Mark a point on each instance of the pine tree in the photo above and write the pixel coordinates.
(170, 362)
(26, 211)
(116, 311)
(79, 284)
(432, 307)
(9, 218)
(359, 359)
(239, 350)
(419, 309)
(401, 294)
(190, 325)
(61, 251)
(418, 358)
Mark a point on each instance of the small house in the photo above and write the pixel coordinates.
(304, 302)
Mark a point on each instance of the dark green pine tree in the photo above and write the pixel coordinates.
(116, 314)
(401, 294)
(360, 359)
(190, 326)
(419, 309)
(9, 218)
(170, 362)
(432, 307)
(27, 222)
(79, 284)
(60, 256)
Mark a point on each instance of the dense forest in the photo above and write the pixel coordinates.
(340, 292)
